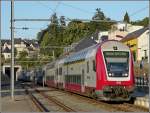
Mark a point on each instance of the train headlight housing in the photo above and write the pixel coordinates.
(110, 74)
(125, 74)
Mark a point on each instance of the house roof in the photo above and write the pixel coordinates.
(3, 41)
(135, 34)
(33, 42)
(8, 41)
(17, 40)
(7, 50)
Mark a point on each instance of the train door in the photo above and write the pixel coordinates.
(82, 81)
(56, 75)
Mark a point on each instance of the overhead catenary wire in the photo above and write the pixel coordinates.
(138, 11)
(68, 19)
(77, 8)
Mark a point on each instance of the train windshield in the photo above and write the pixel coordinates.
(117, 63)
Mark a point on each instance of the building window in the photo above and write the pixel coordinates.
(145, 54)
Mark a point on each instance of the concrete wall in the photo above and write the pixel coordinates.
(9, 66)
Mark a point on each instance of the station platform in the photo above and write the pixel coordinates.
(142, 101)
(142, 97)
(21, 102)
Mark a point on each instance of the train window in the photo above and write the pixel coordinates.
(60, 71)
(71, 79)
(75, 81)
(94, 65)
(66, 78)
(87, 66)
(47, 77)
(79, 79)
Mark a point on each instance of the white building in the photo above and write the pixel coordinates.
(121, 29)
(30, 46)
(143, 45)
(102, 35)
(6, 52)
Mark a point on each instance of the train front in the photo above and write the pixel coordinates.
(115, 76)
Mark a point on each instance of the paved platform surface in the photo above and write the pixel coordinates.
(21, 102)
(142, 101)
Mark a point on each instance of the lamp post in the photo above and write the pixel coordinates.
(12, 49)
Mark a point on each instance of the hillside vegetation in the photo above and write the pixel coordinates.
(58, 33)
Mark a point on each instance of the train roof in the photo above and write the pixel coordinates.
(91, 51)
(88, 52)
(81, 55)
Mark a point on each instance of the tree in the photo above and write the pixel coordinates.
(62, 21)
(99, 15)
(58, 35)
(126, 18)
(23, 54)
(54, 19)
(40, 35)
(144, 22)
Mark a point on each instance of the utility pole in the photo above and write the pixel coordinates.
(12, 49)
(149, 60)
(0, 57)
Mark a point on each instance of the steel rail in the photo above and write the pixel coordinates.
(38, 104)
(66, 108)
(115, 107)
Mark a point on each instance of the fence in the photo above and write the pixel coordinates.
(141, 81)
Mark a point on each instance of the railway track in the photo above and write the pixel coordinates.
(112, 107)
(38, 104)
(50, 98)
(125, 107)
(44, 103)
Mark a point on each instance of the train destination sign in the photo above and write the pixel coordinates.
(116, 54)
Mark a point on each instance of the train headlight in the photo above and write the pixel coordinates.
(109, 74)
(125, 74)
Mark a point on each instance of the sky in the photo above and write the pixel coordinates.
(115, 10)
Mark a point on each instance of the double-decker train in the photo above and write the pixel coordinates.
(103, 71)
